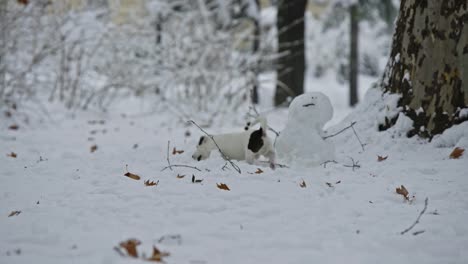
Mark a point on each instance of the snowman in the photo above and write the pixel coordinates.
(301, 142)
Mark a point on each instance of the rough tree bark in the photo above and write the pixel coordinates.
(428, 64)
(290, 23)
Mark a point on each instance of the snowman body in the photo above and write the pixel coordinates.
(301, 142)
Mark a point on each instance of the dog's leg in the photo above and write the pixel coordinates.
(249, 157)
(271, 155)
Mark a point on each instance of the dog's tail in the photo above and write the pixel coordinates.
(263, 124)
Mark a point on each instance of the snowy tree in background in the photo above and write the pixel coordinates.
(428, 65)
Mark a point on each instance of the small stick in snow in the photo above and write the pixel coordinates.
(170, 166)
(219, 149)
(180, 166)
(355, 133)
(167, 156)
(342, 130)
(328, 161)
(354, 165)
(417, 220)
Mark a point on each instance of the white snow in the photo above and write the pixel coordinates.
(76, 205)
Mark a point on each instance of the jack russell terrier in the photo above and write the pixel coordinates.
(248, 145)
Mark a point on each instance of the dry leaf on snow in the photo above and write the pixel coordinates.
(131, 175)
(131, 247)
(303, 184)
(151, 183)
(403, 191)
(13, 213)
(175, 151)
(381, 158)
(223, 186)
(180, 176)
(13, 127)
(195, 180)
(12, 155)
(157, 255)
(457, 153)
(258, 171)
(93, 148)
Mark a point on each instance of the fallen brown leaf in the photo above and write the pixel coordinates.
(175, 151)
(223, 186)
(131, 247)
(14, 213)
(93, 148)
(158, 255)
(303, 184)
(23, 2)
(151, 183)
(13, 127)
(381, 158)
(258, 171)
(403, 191)
(457, 153)
(12, 155)
(131, 175)
(195, 180)
(180, 176)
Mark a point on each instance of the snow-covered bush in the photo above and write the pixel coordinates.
(196, 56)
(45, 53)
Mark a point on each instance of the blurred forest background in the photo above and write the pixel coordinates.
(202, 56)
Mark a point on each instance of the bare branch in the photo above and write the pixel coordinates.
(328, 161)
(417, 219)
(180, 166)
(354, 131)
(355, 164)
(167, 156)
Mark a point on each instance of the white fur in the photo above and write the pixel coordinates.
(235, 145)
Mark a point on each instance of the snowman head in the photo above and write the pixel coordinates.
(313, 109)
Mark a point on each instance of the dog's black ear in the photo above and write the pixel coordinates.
(201, 140)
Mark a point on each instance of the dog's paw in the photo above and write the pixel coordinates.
(273, 166)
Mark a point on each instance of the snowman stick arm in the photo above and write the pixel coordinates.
(342, 130)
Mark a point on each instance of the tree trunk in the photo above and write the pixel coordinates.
(3, 46)
(428, 64)
(290, 74)
(353, 55)
(256, 46)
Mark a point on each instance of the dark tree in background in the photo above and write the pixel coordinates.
(353, 54)
(291, 66)
(428, 64)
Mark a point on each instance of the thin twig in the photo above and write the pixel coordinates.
(341, 131)
(167, 156)
(354, 165)
(328, 161)
(180, 166)
(417, 220)
(217, 146)
(362, 145)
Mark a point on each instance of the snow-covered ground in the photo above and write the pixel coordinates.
(76, 205)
